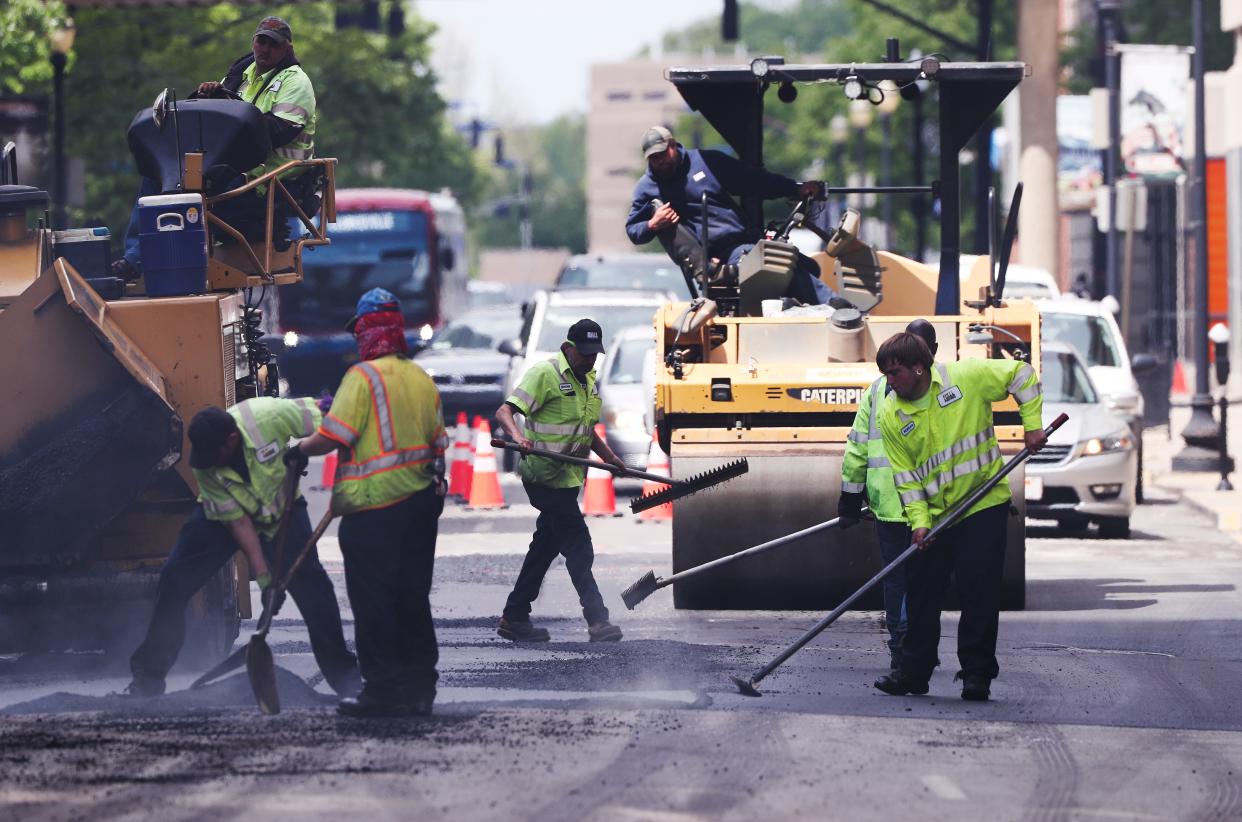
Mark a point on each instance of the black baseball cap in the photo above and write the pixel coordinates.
(208, 431)
(587, 336)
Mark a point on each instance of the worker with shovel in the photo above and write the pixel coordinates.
(938, 435)
(561, 404)
(238, 457)
(390, 490)
(866, 475)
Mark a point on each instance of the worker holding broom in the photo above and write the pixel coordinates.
(938, 435)
(867, 474)
(390, 490)
(561, 404)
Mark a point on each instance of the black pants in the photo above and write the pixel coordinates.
(894, 537)
(202, 549)
(973, 551)
(389, 556)
(560, 529)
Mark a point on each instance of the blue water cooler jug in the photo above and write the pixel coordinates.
(173, 241)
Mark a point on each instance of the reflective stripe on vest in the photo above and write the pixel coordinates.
(379, 397)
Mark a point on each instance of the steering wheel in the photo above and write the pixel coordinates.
(221, 93)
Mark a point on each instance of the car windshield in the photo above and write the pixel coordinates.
(611, 318)
(1092, 336)
(627, 365)
(477, 330)
(659, 274)
(1065, 380)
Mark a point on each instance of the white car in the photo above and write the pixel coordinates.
(1020, 280)
(627, 394)
(1086, 472)
(1089, 327)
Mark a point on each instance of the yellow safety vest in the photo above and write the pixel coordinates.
(560, 413)
(290, 96)
(266, 425)
(943, 446)
(865, 467)
(387, 413)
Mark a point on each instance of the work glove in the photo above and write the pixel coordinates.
(849, 509)
(324, 401)
(295, 459)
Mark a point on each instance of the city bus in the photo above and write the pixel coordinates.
(412, 243)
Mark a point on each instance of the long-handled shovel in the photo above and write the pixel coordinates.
(649, 583)
(255, 654)
(676, 488)
(747, 686)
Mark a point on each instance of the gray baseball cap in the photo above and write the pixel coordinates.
(274, 28)
(655, 140)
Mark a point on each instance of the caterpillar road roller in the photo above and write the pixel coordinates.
(740, 373)
(99, 376)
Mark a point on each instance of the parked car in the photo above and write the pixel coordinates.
(1020, 280)
(651, 272)
(549, 314)
(487, 292)
(1086, 472)
(1090, 328)
(627, 394)
(463, 361)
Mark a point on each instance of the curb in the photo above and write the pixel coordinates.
(1228, 522)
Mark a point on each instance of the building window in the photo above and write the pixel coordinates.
(655, 95)
(618, 96)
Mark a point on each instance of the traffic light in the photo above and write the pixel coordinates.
(728, 22)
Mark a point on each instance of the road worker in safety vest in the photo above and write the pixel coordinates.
(389, 488)
(938, 435)
(238, 458)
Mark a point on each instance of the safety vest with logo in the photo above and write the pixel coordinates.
(943, 445)
(290, 96)
(266, 425)
(561, 414)
(866, 467)
(387, 413)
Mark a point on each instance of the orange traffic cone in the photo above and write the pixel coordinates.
(463, 459)
(328, 478)
(600, 498)
(1179, 387)
(657, 463)
(485, 485)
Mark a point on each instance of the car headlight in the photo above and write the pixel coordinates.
(1119, 441)
(291, 339)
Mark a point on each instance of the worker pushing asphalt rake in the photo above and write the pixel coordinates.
(676, 488)
(747, 687)
(649, 583)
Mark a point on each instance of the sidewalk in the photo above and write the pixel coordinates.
(1197, 489)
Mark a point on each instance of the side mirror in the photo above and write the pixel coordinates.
(1141, 364)
(511, 347)
(448, 260)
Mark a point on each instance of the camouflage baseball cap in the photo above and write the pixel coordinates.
(274, 28)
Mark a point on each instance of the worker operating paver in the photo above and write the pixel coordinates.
(561, 404)
(939, 437)
(866, 474)
(390, 488)
(238, 461)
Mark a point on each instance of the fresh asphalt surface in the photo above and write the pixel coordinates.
(1118, 699)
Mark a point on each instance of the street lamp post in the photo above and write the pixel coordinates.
(1201, 432)
(860, 119)
(1220, 339)
(839, 135)
(61, 43)
(887, 105)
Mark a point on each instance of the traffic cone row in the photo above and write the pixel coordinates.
(484, 483)
(600, 497)
(657, 463)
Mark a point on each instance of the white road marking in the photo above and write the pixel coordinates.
(943, 787)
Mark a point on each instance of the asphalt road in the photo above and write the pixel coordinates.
(1118, 699)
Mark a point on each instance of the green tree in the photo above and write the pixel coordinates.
(25, 28)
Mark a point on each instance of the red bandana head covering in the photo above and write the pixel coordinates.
(379, 334)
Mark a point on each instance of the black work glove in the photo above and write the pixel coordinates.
(849, 509)
(295, 459)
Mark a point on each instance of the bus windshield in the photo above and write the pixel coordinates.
(385, 249)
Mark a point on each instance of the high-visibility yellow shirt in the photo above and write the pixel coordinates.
(266, 424)
(865, 467)
(561, 414)
(942, 446)
(290, 96)
(387, 413)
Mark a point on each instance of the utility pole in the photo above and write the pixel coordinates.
(1201, 432)
(1109, 15)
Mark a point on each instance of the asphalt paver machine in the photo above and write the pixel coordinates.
(741, 375)
(99, 378)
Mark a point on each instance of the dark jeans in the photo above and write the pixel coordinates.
(203, 547)
(973, 551)
(894, 537)
(560, 529)
(389, 556)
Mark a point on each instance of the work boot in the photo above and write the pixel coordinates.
(975, 688)
(521, 630)
(144, 687)
(894, 660)
(899, 684)
(604, 631)
(365, 706)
